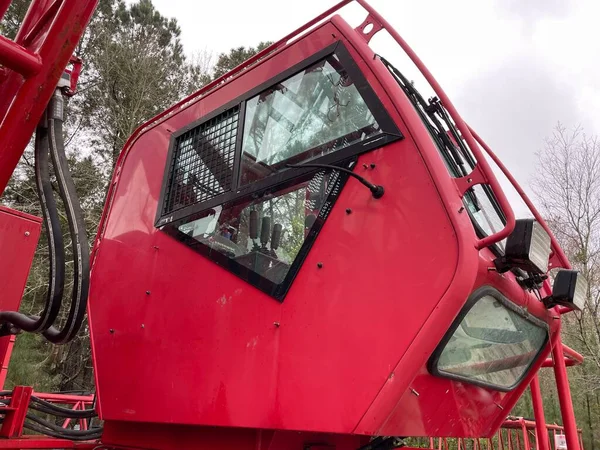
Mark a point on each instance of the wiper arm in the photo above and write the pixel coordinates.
(427, 111)
(376, 190)
(429, 118)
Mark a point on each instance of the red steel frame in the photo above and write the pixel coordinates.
(14, 418)
(33, 64)
(43, 48)
(515, 434)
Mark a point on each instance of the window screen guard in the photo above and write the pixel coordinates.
(180, 196)
(226, 174)
(492, 343)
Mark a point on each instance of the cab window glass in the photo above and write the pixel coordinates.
(493, 345)
(315, 112)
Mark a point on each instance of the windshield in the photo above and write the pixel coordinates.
(480, 202)
(493, 345)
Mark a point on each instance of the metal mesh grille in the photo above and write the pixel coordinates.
(202, 163)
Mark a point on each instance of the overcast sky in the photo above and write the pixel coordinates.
(513, 68)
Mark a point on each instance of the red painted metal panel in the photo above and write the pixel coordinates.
(19, 235)
(35, 442)
(216, 349)
(176, 437)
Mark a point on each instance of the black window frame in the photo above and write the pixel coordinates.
(345, 157)
(389, 133)
(432, 363)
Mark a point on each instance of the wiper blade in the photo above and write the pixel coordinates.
(427, 111)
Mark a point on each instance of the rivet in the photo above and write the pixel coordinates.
(155, 247)
(147, 292)
(143, 326)
(373, 165)
(469, 180)
(365, 166)
(414, 392)
(111, 330)
(320, 265)
(277, 324)
(348, 211)
(27, 233)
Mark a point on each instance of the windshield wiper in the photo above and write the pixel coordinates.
(427, 112)
(376, 190)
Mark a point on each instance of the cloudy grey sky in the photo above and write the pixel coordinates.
(513, 68)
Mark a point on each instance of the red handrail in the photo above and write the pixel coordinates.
(482, 164)
(555, 245)
(18, 58)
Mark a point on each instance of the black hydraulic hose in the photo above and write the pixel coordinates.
(41, 426)
(54, 236)
(58, 428)
(50, 408)
(81, 250)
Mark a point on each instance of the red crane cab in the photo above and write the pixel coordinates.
(307, 245)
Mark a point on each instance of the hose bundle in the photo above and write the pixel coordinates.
(50, 141)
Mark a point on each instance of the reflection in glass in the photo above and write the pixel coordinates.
(312, 113)
(493, 345)
(265, 235)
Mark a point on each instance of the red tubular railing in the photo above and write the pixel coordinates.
(555, 245)
(515, 434)
(19, 59)
(572, 358)
(12, 426)
(482, 164)
(4, 5)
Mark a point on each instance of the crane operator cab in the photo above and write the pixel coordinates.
(308, 244)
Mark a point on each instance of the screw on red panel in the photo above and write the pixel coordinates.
(320, 265)
(348, 211)
(147, 292)
(111, 330)
(27, 233)
(277, 324)
(373, 165)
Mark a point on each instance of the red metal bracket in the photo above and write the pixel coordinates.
(15, 413)
(76, 63)
(467, 182)
(369, 28)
